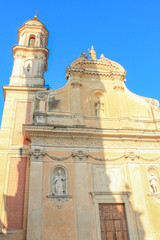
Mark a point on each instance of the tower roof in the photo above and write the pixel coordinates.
(35, 21)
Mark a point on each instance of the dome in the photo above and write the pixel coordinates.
(35, 22)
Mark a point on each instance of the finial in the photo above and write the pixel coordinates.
(92, 53)
(36, 13)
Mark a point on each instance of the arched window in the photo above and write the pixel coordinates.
(32, 41)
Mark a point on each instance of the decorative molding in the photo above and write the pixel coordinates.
(80, 155)
(118, 85)
(131, 155)
(93, 194)
(96, 73)
(36, 154)
(42, 95)
(153, 102)
(103, 62)
(155, 196)
(59, 200)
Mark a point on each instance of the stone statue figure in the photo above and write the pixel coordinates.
(83, 55)
(99, 107)
(59, 184)
(92, 53)
(153, 183)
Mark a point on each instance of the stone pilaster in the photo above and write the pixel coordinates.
(76, 96)
(34, 226)
(82, 194)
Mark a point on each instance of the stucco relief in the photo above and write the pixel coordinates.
(106, 179)
(36, 154)
(80, 155)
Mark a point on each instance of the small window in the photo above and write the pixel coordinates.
(31, 41)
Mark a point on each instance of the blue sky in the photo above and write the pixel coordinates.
(127, 32)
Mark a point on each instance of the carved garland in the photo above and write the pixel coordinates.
(58, 158)
(130, 155)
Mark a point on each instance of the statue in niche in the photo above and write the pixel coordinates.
(59, 184)
(99, 107)
(153, 183)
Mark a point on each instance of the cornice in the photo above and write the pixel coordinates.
(111, 74)
(81, 63)
(71, 132)
(31, 50)
(20, 89)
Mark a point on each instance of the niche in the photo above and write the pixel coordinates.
(98, 104)
(31, 41)
(28, 67)
(58, 180)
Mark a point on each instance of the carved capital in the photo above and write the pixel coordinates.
(36, 154)
(76, 84)
(118, 85)
(80, 155)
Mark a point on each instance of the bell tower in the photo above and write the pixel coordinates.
(30, 63)
(30, 55)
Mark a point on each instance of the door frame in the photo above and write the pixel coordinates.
(114, 197)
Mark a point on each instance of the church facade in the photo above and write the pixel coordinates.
(81, 162)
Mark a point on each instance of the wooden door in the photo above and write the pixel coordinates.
(113, 221)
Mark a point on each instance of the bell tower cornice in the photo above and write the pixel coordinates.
(34, 50)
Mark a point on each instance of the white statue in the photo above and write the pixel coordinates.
(59, 184)
(92, 53)
(99, 107)
(153, 183)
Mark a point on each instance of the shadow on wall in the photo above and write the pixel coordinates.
(118, 219)
(14, 203)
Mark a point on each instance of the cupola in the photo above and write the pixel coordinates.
(33, 34)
